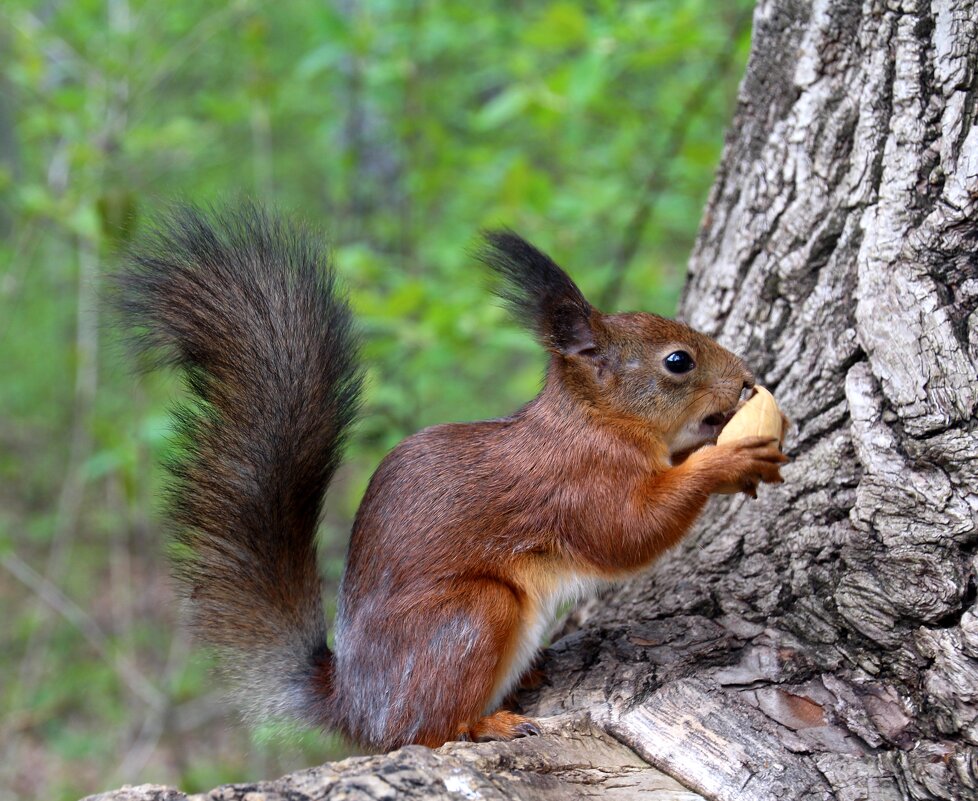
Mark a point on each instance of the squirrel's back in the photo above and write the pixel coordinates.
(246, 306)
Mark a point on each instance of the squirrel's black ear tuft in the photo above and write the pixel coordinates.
(539, 294)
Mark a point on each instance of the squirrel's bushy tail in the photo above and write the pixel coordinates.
(246, 306)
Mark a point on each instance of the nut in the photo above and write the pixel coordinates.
(759, 417)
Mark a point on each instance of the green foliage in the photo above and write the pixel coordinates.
(402, 129)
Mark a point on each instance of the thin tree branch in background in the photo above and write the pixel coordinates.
(353, 137)
(10, 157)
(183, 50)
(413, 160)
(86, 624)
(675, 141)
(155, 723)
(58, 50)
(12, 281)
(72, 493)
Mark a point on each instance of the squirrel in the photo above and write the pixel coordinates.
(469, 535)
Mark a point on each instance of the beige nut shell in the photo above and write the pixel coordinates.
(759, 417)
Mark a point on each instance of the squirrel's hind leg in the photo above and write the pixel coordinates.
(470, 650)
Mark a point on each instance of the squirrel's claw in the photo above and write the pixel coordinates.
(527, 729)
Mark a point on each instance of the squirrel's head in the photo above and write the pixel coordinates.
(636, 368)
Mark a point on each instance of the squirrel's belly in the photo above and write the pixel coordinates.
(546, 589)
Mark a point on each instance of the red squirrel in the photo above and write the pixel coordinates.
(469, 534)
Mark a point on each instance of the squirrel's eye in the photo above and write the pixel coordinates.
(679, 362)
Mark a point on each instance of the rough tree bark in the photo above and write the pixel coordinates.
(822, 641)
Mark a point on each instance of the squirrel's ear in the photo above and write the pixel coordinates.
(571, 332)
(539, 294)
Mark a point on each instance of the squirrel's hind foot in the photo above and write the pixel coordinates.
(500, 725)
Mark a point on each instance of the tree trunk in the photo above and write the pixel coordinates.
(822, 641)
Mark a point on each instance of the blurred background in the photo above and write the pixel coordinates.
(400, 128)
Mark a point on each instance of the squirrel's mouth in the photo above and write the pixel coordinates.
(718, 419)
(696, 434)
(712, 425)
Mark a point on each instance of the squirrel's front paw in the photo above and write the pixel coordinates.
(740, 466)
